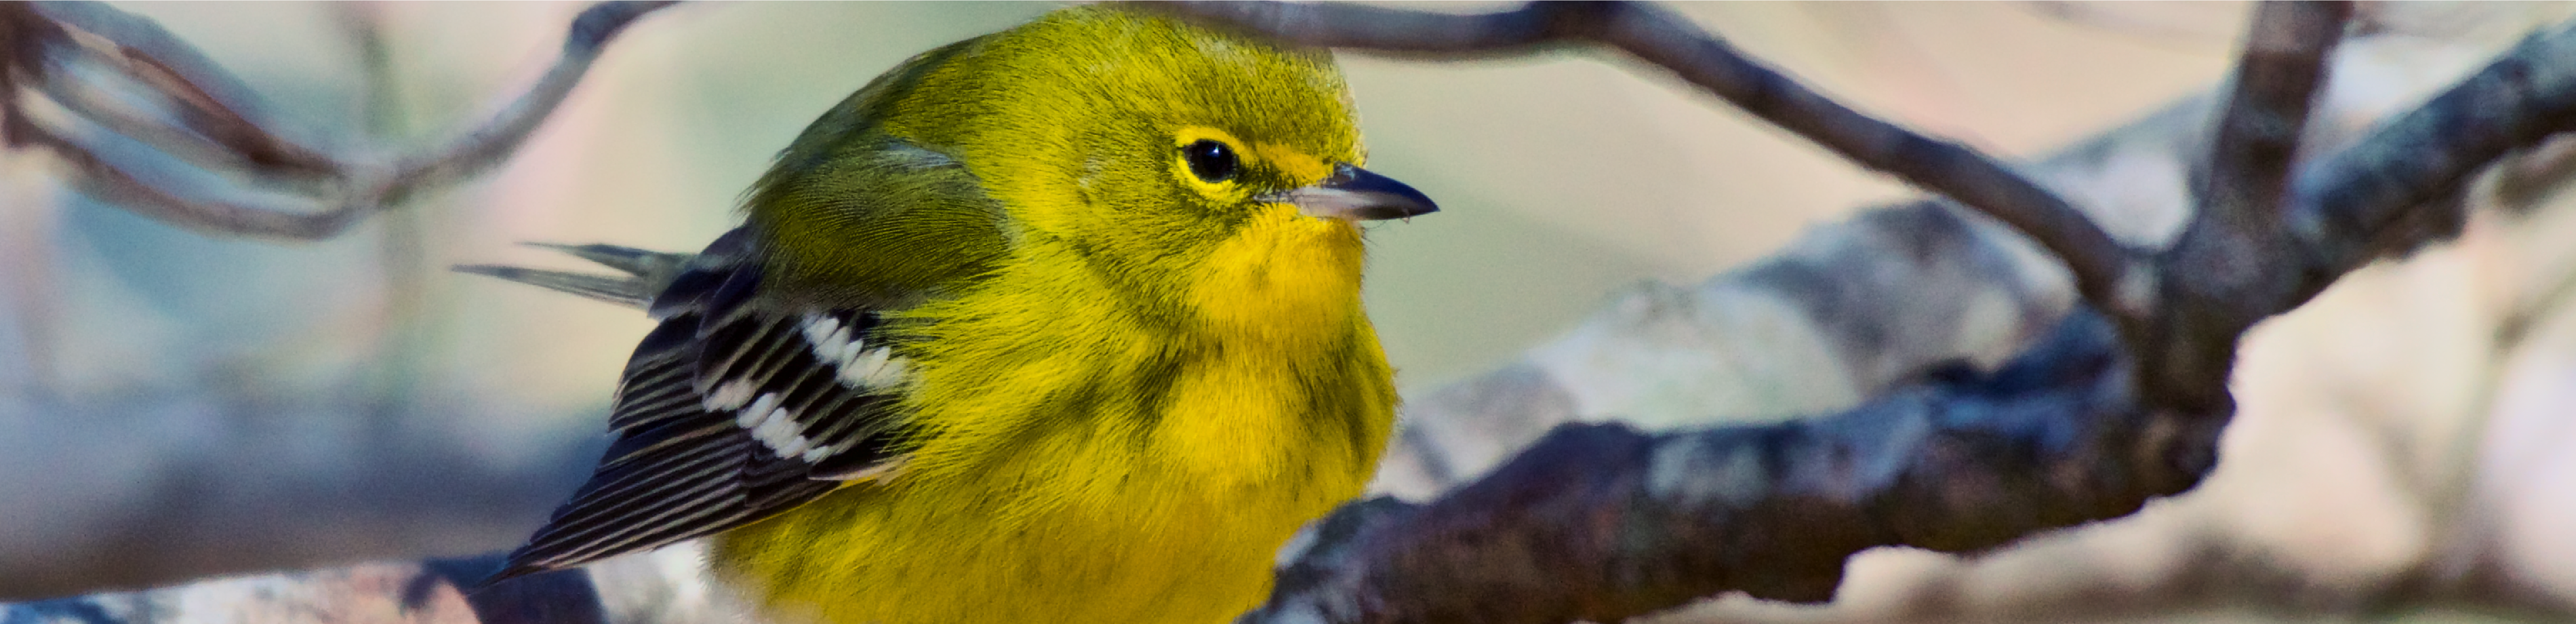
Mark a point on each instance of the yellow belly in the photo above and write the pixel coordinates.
(1174, 517)
(888, 556)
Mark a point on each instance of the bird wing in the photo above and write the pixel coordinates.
(731, 411)
(740, 406)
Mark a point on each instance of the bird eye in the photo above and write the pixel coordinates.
(1210, 160)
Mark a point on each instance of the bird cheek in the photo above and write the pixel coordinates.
(1282, 276)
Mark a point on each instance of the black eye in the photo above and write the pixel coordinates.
(1210, 160)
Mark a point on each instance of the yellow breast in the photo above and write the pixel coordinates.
(1079, 464)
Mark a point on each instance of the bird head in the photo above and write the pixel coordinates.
(1212, 178)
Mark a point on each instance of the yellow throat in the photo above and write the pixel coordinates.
(1163, 373)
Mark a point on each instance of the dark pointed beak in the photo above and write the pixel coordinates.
(1354, 194)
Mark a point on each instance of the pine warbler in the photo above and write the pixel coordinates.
(1058, 324)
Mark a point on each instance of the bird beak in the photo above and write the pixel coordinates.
(1354, 194)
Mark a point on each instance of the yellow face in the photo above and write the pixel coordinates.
(1273, 262)
(1163, 154)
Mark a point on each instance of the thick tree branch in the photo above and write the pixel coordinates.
(2360, 204)
(1603, 522)
(1573, 512)
(2105, 272)
(2234, 264)
(70, 51)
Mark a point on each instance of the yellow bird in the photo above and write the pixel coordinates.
(1058, 324)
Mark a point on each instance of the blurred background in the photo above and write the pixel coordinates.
(174, 405)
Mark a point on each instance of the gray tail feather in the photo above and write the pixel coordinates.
(636, 262)
(647, 273)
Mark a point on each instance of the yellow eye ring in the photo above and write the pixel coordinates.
(1211, 161)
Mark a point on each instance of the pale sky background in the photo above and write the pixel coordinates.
(1562, 177)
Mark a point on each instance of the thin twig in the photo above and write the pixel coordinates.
(2105, 272)
(214, 107)
(217, 104)
(96, 104)
(192, 208)
(486, 144)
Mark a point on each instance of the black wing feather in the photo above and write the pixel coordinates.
(691, 456)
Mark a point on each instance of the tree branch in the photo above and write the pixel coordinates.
(2358, 205)
(220, 126)
(2105, 271)
(2234, 264)
(209, 101)
(1570, 529)
(481, 146)
(1603, 522)
(2278, 75)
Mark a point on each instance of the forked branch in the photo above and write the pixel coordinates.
(94, 86)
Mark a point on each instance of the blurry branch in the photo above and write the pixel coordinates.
(2229, 269)
(160, 497)
(402, 261)
(1602, 523)
(2359, 205)
(2276, 79)
(148, 122)
(77, 75)
(662, 586)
